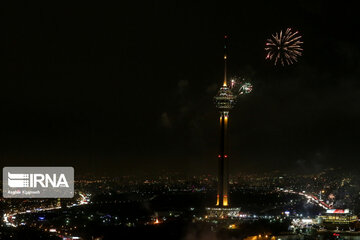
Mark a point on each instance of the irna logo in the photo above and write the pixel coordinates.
(38, 182)
(16, 180)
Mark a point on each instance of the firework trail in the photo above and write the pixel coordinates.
(284, 47)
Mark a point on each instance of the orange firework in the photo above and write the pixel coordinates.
(284, 47)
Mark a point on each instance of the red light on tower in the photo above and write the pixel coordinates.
(225, 156)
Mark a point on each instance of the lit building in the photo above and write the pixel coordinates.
(335, 218)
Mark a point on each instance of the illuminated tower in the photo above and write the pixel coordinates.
(224, 100)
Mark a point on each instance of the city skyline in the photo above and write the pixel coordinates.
(73, 84)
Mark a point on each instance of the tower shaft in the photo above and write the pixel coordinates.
(223, 161)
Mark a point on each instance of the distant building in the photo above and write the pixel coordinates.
(341, 219)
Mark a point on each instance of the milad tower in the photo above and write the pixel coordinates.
(224, 100)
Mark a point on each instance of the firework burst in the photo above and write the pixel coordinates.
(240, 86)
(284, 47)
(246, 88)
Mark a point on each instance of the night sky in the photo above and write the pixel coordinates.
(127, 87)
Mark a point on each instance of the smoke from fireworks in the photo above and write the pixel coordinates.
(284, 47)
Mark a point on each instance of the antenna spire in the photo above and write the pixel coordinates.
(225, 57)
